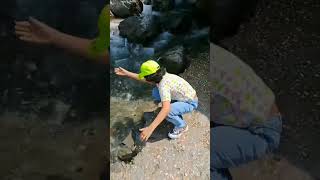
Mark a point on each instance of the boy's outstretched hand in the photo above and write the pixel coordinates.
(121, 72)
(35, 31)
(145, 133)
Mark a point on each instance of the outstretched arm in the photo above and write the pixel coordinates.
(147, 131)
(79, 46)
(35, 31)
(123, 72)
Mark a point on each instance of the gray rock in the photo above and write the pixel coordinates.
(129, 141)
(132, 144)
(140, 29)
(126, 8)
(130, 147)
(162, 5)
(177, 22)
(174, 60)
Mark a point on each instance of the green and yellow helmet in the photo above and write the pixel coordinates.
(147, 68)
(101, 43)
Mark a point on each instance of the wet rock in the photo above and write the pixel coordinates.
(132, 144)
(126, 8)
(174, 60)
(140, 29)
(177, 22)
(162, 5)
(129, 141)
(130, 147)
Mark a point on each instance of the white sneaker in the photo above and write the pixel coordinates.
(177, 132)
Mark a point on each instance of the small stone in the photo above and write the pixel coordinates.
(82, 148)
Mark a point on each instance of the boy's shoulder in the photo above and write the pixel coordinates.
(169, 75)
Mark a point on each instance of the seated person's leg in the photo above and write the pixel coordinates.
(177, 109)
(231, 147)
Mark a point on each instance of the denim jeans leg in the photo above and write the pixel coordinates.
(231, 147)
(270, 131)
(177, 109)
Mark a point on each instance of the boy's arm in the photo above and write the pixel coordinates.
(35, 31)
(80, 46)
(123, 72)
(162, 114)
(134, 76)
(147, 131)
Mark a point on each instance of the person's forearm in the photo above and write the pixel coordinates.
(132, 75)
(77, 45)
(160, 117)
(135, 76)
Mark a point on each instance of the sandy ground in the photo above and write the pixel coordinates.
(185, 158)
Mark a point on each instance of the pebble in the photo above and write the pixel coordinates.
(82, 147)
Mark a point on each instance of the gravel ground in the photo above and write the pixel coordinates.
(185, 158)
(198, 75)
(282, 44)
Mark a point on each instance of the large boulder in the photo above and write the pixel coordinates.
(201, 12)
(125, 8)
(177, 22)
(162, 5)
(140, 29)
(175, 60)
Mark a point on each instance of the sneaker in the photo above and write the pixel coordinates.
(176, 132)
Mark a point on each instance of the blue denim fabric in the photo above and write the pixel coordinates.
(177, 109)
(231, 146)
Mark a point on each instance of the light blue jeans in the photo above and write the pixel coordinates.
(231, 147)
(177, 109)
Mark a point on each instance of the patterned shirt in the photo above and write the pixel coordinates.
(239, 97)
(173, 87)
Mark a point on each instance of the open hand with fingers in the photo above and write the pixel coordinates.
(146, 133)
(35, 31)
(121, 71)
